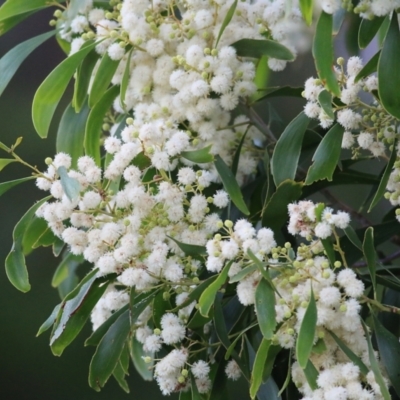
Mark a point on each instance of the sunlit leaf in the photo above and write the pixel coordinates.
(137, 354)
(258, 367)
(369, 68)
(306, 7)
(199, 156)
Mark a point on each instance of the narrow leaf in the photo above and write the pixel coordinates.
(125, 78)
(265, 308)
(95, 338)
(369, 68)
(70, 185)
(71, 133)
(282, 91)
(11, 61)
(95, 121)
(389, 352)
(323, 53)
(75, 310)
(70, 262)
(139, 302)
(257, 48)
(230, 184)
(325, 100)
(258, 367)
(137, 354)
(306, 7)
(375, 366)
(201, 156)
(275, 213)
(349, 353)
(243, 273)
(33, 231)
(102, 79)
(208, 296)
(51, 90)
(6, 186)
(367, 30)
(8, 23)
(82, 81)
(352, 236)
(311, 374)
(16, 270)
(370, 255)
(287, 150)
(228, 17)
(119, 375)
(305, 339)
(6, 161)
(108, 352)
(192, 250)
(388, 67)
(384, 180)
(12, 8)
(326, 156)
(49, 321)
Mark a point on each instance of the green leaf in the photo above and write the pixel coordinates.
(33, 231)
(70, 185)
(258, 367)
(228, 17)
(108, 352)
(370, 255)
(319, 347)
(282, 91)
(243, 273)
(352, 236)
(102, 79)
(69, 262)
(323, 53)
(139, 302)
(192, 250)
(388, 68)
(75, 310)
(257, 48)
(95, 122)
(11, 61)
(305, 339)
(82, 81)
(119, 375)
(71, 133)
(265, 308)
(384, 180)
(329, 250)
(311, 374)
(95, 338)
(208, 296)
(368, 30)
(349, 353)
(137, 354)
(325, 100)
(16, 270)
(49, 321)
(195, 391)
(326, 156)
(8, 23)
(287, 150)
(389, 352)
(6, 161)
(269, 390)
(125, 79)
(15, 7)
(275, 213)
(369, 68)
(201, 156)
(6, 186)
(236, 157)
(230, 184)
(375, 365)
(306, 7)
(51, 90)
